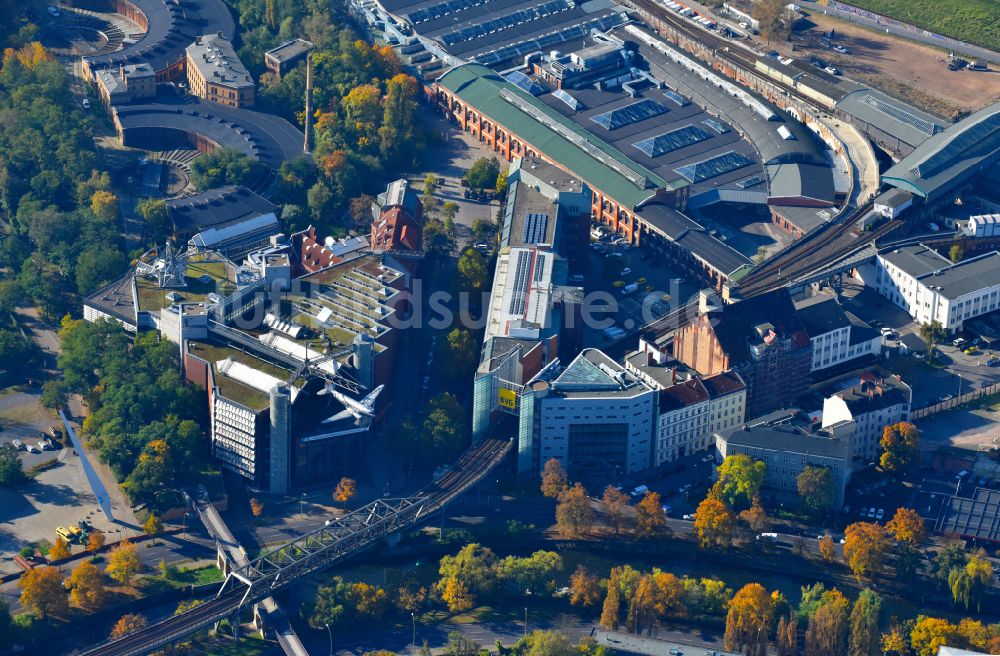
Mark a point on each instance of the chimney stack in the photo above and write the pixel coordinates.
(309, 85)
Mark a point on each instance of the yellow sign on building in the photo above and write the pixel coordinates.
(508, 398)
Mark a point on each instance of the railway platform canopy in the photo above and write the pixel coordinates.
(950, 159)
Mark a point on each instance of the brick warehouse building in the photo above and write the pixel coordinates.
(633, 200)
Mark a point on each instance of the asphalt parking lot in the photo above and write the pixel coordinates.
(629, 265)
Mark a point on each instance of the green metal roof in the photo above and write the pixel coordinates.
(484, 90)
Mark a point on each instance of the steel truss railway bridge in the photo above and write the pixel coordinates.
(313, 552)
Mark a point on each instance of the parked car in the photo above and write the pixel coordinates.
(18, 444)
(85, 103)
(841, 49)
(958, 342)
(871, 513)
(993, 362)
(972, 350)
(64, 533)
(880, 514)
(688, 517)
(626, 271)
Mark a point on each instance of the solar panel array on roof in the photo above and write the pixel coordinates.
(714, 166)
(535, 225)
(601, 22)
(676, 97)
(751, 182)
(637, 111)
(506, 22)
(521, 281)
(715, 125)
(899, 114)
(564, 96)
(673, 140)
(539, 268)
(524, 82)
(441, 9)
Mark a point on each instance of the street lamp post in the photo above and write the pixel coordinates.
(330, 634)
(184, 520)
(413, 618)
(525, 621)
(302, 502)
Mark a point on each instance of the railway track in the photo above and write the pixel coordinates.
(472, 466)
(725, 49)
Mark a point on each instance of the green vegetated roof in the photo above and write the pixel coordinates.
(481, 88)
(233, 389)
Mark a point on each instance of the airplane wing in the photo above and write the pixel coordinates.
(343, 414)
(369, 400)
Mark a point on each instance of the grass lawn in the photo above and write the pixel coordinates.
(974, 21)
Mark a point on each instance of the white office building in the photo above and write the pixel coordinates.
(837, 336)
(593, 416)
(930, 288)
(875, 402)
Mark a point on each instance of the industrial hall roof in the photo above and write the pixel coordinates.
(557, 138)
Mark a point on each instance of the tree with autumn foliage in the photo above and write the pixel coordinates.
(574, 514)
(611, 610)
(755, 517)
(153, 525)
(554, 479)
(614, 505)
(345, 490)
(641, 605)
(256, 507)
(748, 620)
(907, 526)
(827, 630)
(86, 584)
(929, 633)
(123, 562)
(42, 591)
(651, 518)
(866, 545)
(95, 541)
(584, 588)
(900, 446)
(786, 636)
(713, 524)
(59, 550)
(670, 597)
(456, 595)
(827, 548)
(126, 624)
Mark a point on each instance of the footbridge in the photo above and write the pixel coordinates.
(313, 552)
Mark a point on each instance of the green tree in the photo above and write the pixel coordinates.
(475, 566)
(535, 573)
(224, 166)
(329, 607)
(816, 489)
(483, 173)
(11, 472)
(461, 351)
(956, 253)
(156, 219)
(473, 270)
(96, 267)
(739, 481)
(444, 432)
(949, 557)
(865, 639)
(932, 333)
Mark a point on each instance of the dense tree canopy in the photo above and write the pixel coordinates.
(137, 400)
